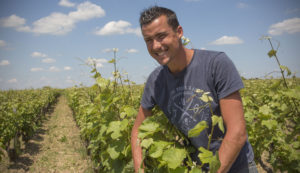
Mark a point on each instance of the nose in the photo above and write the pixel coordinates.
(156, 45)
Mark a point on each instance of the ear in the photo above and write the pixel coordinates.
(179, 31)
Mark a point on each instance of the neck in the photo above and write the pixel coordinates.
(182, 60)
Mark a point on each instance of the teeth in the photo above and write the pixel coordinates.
(161, 53)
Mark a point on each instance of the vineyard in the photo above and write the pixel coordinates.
(106, 111)
(270, 111)
(20, 115)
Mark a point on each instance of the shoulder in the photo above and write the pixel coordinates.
(156, 74)
(208, 53)
(209, 56)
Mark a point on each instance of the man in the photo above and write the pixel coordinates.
(183, 72)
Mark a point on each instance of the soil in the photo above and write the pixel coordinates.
(55, 147)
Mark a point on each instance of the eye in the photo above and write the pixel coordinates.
(148, 41)
(161, 36)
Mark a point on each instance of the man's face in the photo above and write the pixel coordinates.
(162, 41)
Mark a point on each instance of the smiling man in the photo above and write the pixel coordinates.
(182, 72)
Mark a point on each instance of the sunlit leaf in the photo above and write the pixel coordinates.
(270, 124)
(215, 119)
(285, 68)
(102, 82)
(112, 61)
(174, 157)
(197, 129)
(112, 152)
(146, 142)
(215, 163)
(150, 126)
(157, 148)
(205, 155)
(272, 53)
(221, 124)
(196, 170)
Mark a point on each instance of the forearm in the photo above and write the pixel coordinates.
(135, 142)
(136, 149)
(236, 135)
(230, 149)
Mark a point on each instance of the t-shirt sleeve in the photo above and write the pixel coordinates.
(148, 101)
(226, 77)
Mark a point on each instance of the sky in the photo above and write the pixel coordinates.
(51, 42)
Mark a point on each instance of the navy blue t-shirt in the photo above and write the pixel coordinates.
(178, 96)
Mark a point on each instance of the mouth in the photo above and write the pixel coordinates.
(161, 53)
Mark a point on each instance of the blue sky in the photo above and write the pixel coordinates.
(47, 42)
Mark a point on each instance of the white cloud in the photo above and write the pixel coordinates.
(87, 11)
(227, 40)
(16, 22)
(66, 3)
(289, 26)
(4, 62)
(242, 5)
(54, 69)
(107, 50)
(60, 24)
(48, 60)
(56, 23)
(131, 51)
(118, 27)
(110, 50)
(13, 21)
(38, 54)
(202, 48)
(23, 29)
(67, 68)
(14, 80)
(2, 43)
(98, 62)
(35, 69)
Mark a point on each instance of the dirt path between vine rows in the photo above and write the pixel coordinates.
(56, 147)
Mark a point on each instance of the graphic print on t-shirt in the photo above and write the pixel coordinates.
(186, 109)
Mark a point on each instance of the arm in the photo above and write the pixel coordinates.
(235, 137)
(135, 143)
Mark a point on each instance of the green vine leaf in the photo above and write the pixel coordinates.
(215, 163)
(179, 170)
(112, 61)
(285, 68)
(205, 155)
(113, 153)
(197, 129)
(146, 143)
(156, 149)
(196, 170)
(272, 53)
(174, 157)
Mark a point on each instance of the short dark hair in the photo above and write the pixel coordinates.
(150, 14)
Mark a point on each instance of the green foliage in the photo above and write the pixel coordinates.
(272, 53)
(273, 121)
(21, 112)
(174, 157)
(197, 129)
(106, 112)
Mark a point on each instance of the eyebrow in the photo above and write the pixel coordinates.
(156, 35)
